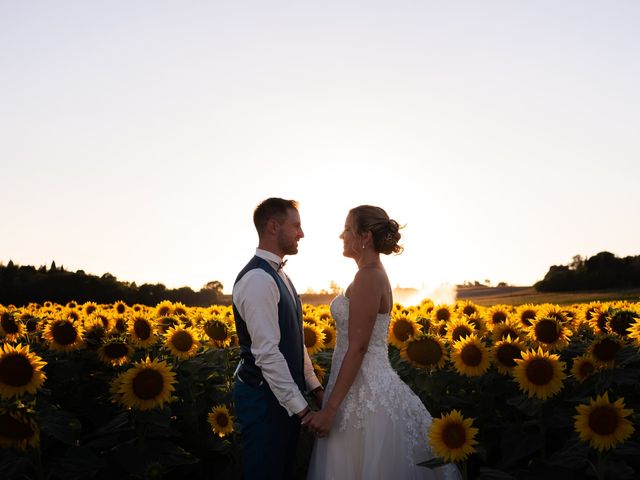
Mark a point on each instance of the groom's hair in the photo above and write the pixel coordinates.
(272, 208)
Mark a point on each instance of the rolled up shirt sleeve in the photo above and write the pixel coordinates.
(256, 297)
(309, 374)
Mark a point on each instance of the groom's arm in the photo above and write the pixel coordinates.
(256, 297)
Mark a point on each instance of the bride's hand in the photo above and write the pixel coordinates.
(321, 422)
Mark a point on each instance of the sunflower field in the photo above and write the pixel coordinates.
(527, 392)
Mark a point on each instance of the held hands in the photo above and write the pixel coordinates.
(320, 422)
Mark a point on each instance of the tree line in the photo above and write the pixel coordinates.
(602, 271)
(21, 285)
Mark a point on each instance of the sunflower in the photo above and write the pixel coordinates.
(439, 328)
(329, 335)
(120, 325)
(425, 350)
(10, 328)
(115, 352)
(634, 333)
(620, 321)
(478, 323)
(319, 371)
(182, 342)
(401, 329)
(553, 311)
(120, 307)
(142, 331)
(218, 332)
(498, 314)
(583, 367)
(604, 349)
(72, 314)
(508, 328)
(441, 313)
(539, 373)
(313, 338)
(549, 333)
(467, 307)
(470, 356)
(164, 308)
(20, 371)
(164, 323)
(505, 352)
(146, 385)
(220, 420)
(459, 328)
(63, 335)
(598, 320)
(89, 307)
(602, 423)
(452, 437)
(179, 309)
(18, 429)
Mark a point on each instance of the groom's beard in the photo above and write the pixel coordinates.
(289, 247)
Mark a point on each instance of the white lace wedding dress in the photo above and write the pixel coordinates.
(380, 430)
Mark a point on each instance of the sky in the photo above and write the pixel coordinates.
(136, 138)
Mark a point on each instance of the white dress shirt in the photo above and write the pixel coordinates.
(256, 296)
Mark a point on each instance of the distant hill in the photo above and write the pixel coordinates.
(21, 285)
(601, 272)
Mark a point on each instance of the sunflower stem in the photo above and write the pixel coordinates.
(600, 470)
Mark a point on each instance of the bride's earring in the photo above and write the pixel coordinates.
(363, 246)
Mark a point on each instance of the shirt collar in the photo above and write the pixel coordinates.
(267, 255)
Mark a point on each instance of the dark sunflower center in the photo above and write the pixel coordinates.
(13, 428)
(547, 331)
(142, 329)
(182, 341)
(539, 371)
(460, 331)
(469, 310)
(425, 352)
(586, 369)
(402, 330)
(507, 353)
(121, 325)
(222, 420)
(32, 325)
(605, 350)
(527, 316)
(603, 420)
(90, 309)
(16, 370)
(443, 314)
(471, 355)
(147, 384)
(328, 335)
(621, 321)
(9, 324)
(116, 350)
(508, 332)
(499, 317)
(454, 435)
(602, 323)
(64, 333)
(120, 308)
(310, 338)
(217, 331)
(164, 310)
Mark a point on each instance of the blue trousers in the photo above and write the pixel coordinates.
(269, 436)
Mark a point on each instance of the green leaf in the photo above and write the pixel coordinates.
(61, 425)
(79, 463)
(573, 456)
(433, 463)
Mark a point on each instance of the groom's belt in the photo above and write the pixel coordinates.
(249, 374)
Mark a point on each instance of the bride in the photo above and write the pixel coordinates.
(371, 425)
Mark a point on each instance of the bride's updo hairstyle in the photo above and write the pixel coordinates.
(385, 231)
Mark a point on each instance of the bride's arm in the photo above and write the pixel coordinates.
(364, 302)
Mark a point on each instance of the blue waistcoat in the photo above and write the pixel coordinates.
(290, 323)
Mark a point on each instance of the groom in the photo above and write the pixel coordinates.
(275, 368)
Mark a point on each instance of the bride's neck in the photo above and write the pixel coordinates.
(368, 259)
